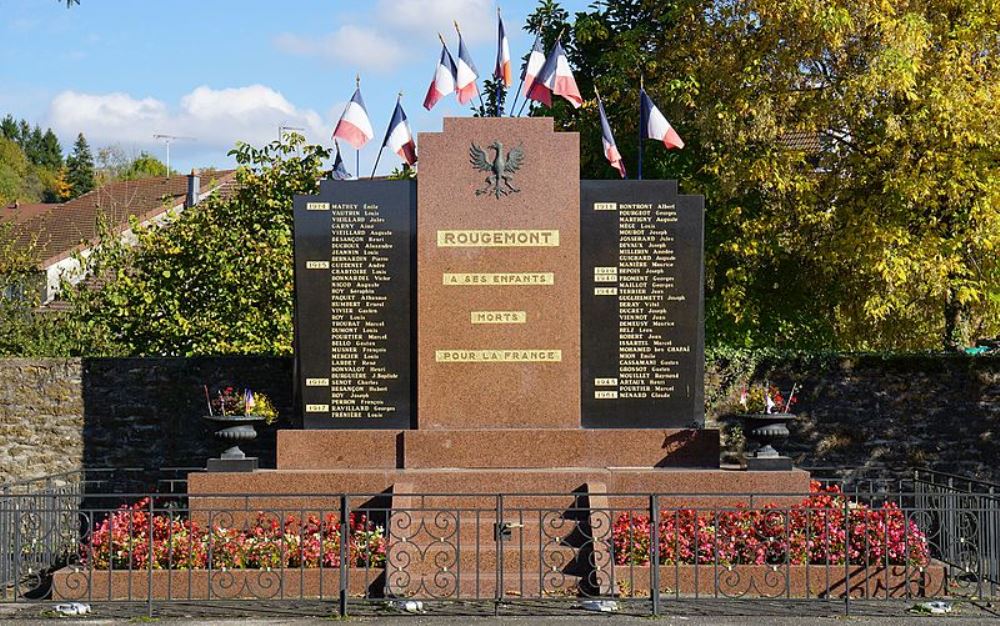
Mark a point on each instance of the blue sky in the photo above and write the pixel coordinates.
(229, 70)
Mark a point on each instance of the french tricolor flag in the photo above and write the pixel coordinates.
(354, 126)
(502, 70)
(443, 82)
(466, 75)
(556, 77)
(536, 60)
(608, 140)
(657, 126)
(398, 137)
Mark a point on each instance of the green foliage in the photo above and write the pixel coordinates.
(24, 329)
(31, 163)
(80, 168)
(216, 279)
(884, 238)
(13, 170)
(145, 165)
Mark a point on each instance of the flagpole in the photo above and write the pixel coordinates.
(642, 124)
(398, 98)
(517, 94)
(499, 111)
(357, 151)
(376, 161)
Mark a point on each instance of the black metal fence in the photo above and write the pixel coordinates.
(135, 538)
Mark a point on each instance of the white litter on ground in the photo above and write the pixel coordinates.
(73, 609)
(936, 607)
(600, 606)
(407, 606)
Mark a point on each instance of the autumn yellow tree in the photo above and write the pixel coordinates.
(848, 150)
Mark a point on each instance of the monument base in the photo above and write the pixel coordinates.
(246, 464)
(769, 463)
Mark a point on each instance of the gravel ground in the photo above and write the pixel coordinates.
(723, 612)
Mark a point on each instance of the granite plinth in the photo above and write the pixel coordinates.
(511, 391)
(246, 464)
(509, 448)
(317, 490)
(769, 463)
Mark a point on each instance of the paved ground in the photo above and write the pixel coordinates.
(721, 612)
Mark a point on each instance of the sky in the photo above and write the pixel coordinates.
(222, 71)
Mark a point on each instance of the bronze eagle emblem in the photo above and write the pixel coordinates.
(501, 168)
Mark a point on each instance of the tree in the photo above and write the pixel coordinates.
(23, 133)
(13, 172)
(52, 156)
(145, 165)
(885, 236)
(216, 279)
(80, 167)
(8, 128)
(34, 146)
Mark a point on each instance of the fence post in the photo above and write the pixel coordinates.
(654, 553)
(345, 536)
(992, 548)
(149, 562)
(847, 556)
(498, 537)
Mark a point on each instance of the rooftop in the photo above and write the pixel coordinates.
(59, 230)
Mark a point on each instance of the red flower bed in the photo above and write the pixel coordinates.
(825, 528)
(122, 541)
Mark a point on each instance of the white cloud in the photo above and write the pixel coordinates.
(216, 118)
(414, 23)
(359, 47)
(476, 18)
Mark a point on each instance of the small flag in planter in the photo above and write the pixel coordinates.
(248, 402)
(769, 401)
(339, 172)
(743, 398)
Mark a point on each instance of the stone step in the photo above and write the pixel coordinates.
(499, 448)
(549, 489)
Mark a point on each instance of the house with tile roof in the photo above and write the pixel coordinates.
(56, 233)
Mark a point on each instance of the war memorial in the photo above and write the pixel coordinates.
(499, 326)
(499, 401)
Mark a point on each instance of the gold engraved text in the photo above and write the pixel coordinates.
(497, 238)
(498, 356)
(499, 317)
(499, 280)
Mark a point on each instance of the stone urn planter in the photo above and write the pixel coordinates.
(235, 429)
(766, 430)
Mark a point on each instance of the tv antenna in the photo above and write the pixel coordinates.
(284, 128)
(169, 139)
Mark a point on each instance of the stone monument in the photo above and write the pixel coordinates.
(499, 325)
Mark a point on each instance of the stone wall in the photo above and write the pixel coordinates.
(937, 411)
(64, 414)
